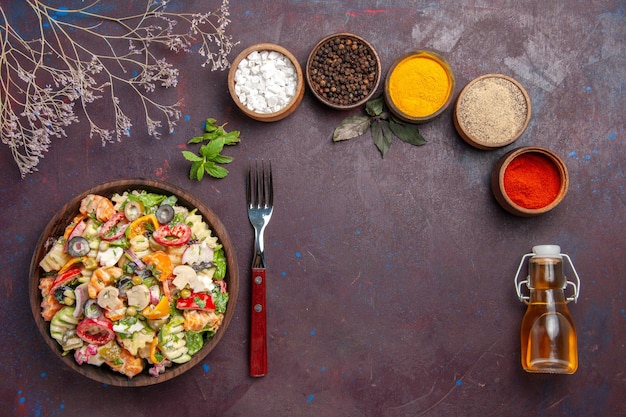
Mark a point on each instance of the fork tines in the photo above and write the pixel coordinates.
(260, 185)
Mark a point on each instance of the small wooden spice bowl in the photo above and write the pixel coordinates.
(328, 63)
(544, 180)
(492, 111)
(283, 112)
(426, 99)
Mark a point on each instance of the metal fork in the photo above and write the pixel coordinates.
(260, 200)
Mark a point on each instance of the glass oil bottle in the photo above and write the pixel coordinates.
(548, 335)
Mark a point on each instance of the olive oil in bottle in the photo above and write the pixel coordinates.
(548, 335)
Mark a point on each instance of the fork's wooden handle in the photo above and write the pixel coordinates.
(258, 325)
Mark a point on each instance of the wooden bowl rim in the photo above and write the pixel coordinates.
(285, 111)
(54, 228)
(451, 78)
(378, 71)
(467, 137)
(500, 191)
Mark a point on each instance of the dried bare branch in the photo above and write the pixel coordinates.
(77, 57)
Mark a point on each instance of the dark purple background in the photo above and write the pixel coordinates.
(390, 281)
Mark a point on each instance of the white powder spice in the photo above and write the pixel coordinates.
(492, 111)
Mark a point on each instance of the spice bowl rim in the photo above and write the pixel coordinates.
(376, 82)
(285, 111)
(497, 181)
(451, 78)
(475, 142)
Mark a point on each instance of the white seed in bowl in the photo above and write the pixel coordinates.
(265, 81)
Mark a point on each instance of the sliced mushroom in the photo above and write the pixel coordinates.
(184, 275)
(108, 298)
(138, 296)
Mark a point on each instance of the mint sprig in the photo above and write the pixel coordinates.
(383, 125)
(209, 157)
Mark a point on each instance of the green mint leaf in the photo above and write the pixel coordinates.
(208, 152)
(193, 171)
(351, 127)
(209, 155)
(190, 156)
(408, 133)
(375, 106)
(209, 123)
(223, 159)
(232, 137)
(209, 136)
(200, 171)
(212, 149)
(197, 139)
(216, 171)
(382, 135)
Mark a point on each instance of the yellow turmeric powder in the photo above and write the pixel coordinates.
(419, 85)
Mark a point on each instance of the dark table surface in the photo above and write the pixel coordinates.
(390, 281)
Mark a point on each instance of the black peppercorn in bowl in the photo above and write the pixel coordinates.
(343, 71)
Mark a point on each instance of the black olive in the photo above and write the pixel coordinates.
(78, 246)
(59, 293)
(142, 272)
(124, 284)
(201, 266)
(165, 213)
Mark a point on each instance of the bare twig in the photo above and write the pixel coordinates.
(79, 56)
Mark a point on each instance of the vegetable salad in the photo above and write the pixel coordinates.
(136, 282)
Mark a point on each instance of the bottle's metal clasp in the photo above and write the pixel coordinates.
(576, 284)
(518, 284)
(525, 298)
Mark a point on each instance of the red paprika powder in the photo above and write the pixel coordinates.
(532, 180)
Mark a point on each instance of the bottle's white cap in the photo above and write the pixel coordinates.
(550, 251)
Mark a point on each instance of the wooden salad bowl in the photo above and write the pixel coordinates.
(56, 227)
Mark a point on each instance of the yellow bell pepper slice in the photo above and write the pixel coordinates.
(70, 263)
(155, 354)
(161, 264)
(158, 311)
(88, 263)
(138, 226)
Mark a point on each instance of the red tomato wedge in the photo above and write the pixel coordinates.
(96, 331)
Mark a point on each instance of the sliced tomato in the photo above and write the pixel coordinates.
(96, 331)
(172, 236)
(112, 229)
